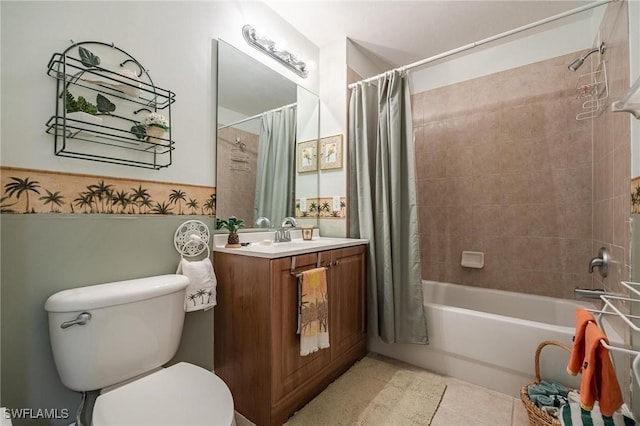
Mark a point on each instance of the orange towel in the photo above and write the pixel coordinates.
(313, 311)
(583, 317)
(599, 382)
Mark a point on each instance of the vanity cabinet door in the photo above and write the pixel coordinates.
(290, 370)
(346, 278)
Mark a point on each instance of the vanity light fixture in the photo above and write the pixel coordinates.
(269, 47)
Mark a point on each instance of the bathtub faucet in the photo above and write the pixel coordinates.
(601, 262)
(588, 293)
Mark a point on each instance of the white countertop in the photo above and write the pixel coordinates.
(262, 245)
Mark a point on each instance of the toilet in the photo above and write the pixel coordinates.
(115, 337)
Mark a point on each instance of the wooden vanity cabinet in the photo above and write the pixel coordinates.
(257, 350)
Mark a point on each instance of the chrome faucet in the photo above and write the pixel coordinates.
(601, 262)
(263, 222)
(283, 235)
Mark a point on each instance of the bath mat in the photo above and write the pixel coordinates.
(375, 391)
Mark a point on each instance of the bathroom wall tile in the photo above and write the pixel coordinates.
(434, 104)
(417, 112)
(603, 178)
(546, 152)
(578, 184)
(485, 125)
(621, 230)
(577, 220)
(488, 220)
(541, 220)
(541, 254)
(541, 282)
(621, 171)
(516, 87)
(459, 220)
(434, 248)
(579, 148)
(548, 115)
(576, 254)
(514, 155)
(459, 191)
(621, 129)
(516, 121)
(603, 220)
(486, 92)
(487, 189)
(543, 186)
(486, 156)
(459, 157)
(577, 280)
(458, 100)
(517, 187)
(517, 178)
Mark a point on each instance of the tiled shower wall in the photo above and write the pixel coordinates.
(236, 174)
(504, 168)
(612, 156)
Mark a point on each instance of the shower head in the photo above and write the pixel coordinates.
(578, 62)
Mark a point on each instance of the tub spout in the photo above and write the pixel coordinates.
(601, 262)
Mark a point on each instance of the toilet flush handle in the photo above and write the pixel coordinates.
(81, 319)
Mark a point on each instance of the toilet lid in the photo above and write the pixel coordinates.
(183, 394)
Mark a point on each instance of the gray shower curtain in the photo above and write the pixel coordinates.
(382, 206)
(275, 175)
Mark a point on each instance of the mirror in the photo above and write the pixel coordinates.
(262, 117)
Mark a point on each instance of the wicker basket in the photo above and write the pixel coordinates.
(537, 417)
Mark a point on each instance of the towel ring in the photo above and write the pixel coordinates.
(192, 239)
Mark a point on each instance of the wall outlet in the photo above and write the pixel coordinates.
(303, 204)
(336, 204)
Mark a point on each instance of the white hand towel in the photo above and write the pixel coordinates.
(201, 291)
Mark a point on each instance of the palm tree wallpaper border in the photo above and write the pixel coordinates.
(39, 191)
(322, 208)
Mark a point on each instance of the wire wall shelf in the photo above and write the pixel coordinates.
(103, 96)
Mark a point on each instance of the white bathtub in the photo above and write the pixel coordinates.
(489, 337)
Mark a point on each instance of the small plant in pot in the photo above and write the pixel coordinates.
(155, 126)
(233, 224)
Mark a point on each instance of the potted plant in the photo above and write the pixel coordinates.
(155, 127)
(233, 224)
(81, 112)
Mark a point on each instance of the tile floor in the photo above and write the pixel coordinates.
(465, 404)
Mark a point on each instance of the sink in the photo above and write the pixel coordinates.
(293, 247)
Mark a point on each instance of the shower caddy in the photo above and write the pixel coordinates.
(594, 88)
(93, 72)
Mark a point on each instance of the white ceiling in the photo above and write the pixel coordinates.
(402, 32)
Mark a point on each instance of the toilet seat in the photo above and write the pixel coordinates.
(183, 394)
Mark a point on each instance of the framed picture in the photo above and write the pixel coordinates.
(308, 156)
(331, 152)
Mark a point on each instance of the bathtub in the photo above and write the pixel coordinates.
(489, 337)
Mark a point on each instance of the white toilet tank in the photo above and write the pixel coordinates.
(135, 326)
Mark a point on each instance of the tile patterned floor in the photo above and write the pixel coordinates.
(465, 404)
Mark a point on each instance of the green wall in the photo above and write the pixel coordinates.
(45, 253)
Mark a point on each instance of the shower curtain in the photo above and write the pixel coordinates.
(275, 175)
(383, 208)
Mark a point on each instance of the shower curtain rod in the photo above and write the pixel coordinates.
(253, 117)
(486, 40)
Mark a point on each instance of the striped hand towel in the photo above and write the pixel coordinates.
(574, 415)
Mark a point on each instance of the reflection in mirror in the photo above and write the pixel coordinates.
(261, 117)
